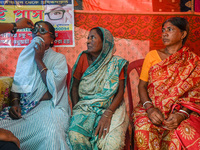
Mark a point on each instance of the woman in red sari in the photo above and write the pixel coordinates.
(168, 115)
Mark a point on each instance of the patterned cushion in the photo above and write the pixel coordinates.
(5, 86)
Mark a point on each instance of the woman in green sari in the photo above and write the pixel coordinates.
(99, 119)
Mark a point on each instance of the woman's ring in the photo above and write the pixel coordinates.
(105, 129)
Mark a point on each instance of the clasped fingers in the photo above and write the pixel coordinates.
(155, 116)
(173, 121)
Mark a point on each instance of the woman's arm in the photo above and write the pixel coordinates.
(142, 90)
(43, 70)
(105, 121)
(118, 97)
(39, 54)
(154, 114)
(21, 23)
(74, 92)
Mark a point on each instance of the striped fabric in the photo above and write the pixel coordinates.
(44, 124)
(43, 128)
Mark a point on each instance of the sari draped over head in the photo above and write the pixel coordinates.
(174, 83)
(97, 88)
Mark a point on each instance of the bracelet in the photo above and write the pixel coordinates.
(105, 115)
(147, 102)
(14, 30)
(149, 108)
(184, 112)
(109, 110)
(14, 99)
(43, 70)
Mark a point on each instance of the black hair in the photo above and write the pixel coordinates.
(181, 23)
(51, 29)
(99, 32)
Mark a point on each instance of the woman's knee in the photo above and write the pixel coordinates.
(74, 135)
(112, 142)
(77, 137)
(116, 143)
(79, 141)
(6, 145)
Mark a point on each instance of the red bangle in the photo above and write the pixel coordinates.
(184, 112)
(148, 108)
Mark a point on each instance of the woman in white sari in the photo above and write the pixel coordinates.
(39, 112)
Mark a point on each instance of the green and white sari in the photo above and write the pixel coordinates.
(97, 88)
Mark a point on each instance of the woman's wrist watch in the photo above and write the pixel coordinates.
(14, 30)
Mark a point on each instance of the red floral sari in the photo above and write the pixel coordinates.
(174, 81)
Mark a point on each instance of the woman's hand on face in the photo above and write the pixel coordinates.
(104, 124)
(173, 121)
(15, 112)
(39, 51)
(155, 116)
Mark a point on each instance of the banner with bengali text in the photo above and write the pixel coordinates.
(59, 13)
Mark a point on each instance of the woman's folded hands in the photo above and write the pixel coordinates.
(155, 116)
(173, 121)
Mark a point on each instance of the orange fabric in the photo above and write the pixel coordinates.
(135, 34)
(175, 80)
(151, 59)
(121, 76)
(166, 5)
(83, 65)
(118, 5)
(148, 136)
(75, 3)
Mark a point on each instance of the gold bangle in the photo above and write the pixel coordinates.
(14, 99)
(43, 70)
(105, 115)
(109, 110)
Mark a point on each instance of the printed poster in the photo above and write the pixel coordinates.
(59, 13)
